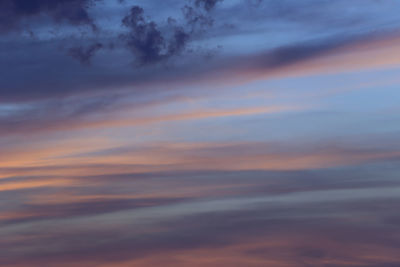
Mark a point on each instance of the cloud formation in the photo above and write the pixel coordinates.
(151, 41)
(85, 54)
(199, 133)
(147, 42)
(208, 5)
(297, 218)
(14, 13)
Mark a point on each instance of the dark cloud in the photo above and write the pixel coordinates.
(52, 79)
(197, 16)
(147, 42)
(49, 73)
(13, 13)
(150, 45)
(208, 5)
(196, 19)
(178, 43)
(145, 39)
(291, 54)
(84, 54)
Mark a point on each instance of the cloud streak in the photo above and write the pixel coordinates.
(225, 230)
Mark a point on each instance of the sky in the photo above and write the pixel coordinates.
(199, 133)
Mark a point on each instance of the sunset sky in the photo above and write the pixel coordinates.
(180, 133)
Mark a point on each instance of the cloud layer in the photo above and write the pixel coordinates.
(199, 133)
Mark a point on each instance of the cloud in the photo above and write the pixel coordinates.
(144, 40)
(94, 157)
(84, 55)
(198, 17)
(48, 114)
(47, 73)
(147, 42)
(208, 5)
(101, 111)
(250, 156)
(13, 13)
(181, 160)
(324, 56)
(92, 206)
(344, 227)
(303, 58)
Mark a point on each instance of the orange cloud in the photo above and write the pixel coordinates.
(130, 158)
(9, 186)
